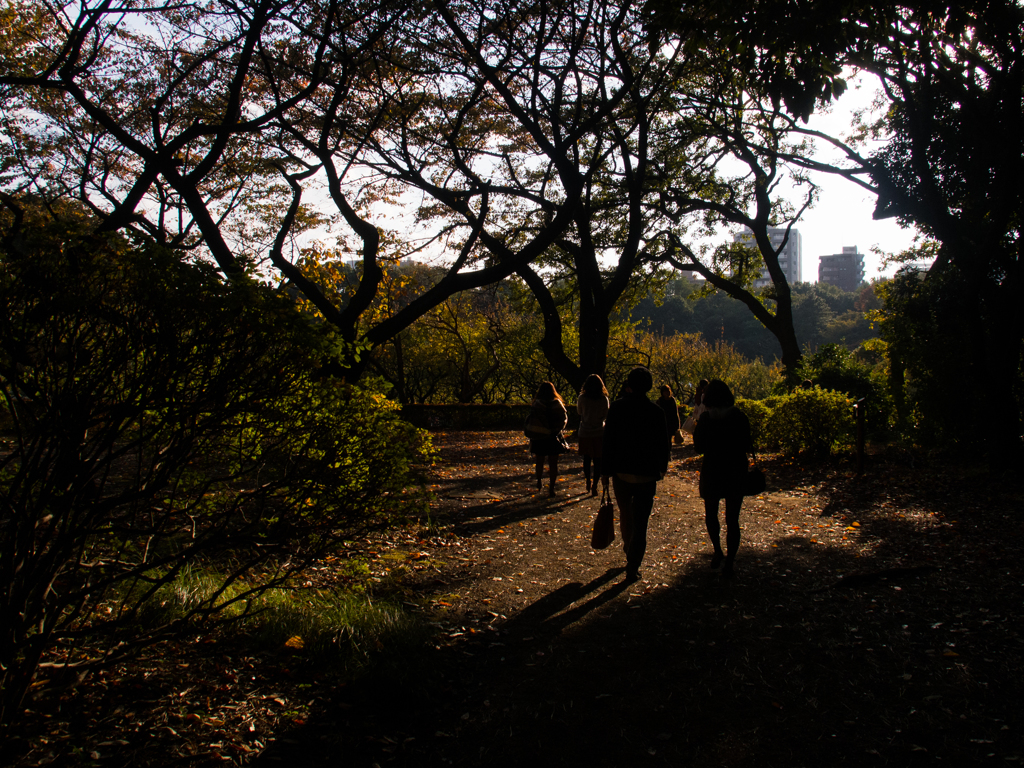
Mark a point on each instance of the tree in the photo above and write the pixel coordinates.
(921, 322)
(682, 360)
(812, 316)
(182, 122)
(952, 76)
(554, 141)
(745, 132)
(459, 341)
(158, 420)
(559, 126)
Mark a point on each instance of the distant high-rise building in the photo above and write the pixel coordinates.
(790, 258)
(844, 270)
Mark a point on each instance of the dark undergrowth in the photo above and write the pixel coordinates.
(874, 621)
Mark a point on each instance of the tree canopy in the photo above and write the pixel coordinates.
(550, 141)
(590, 145)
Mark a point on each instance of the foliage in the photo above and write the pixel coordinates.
(682, 360)
(759, 413)
(554, 143)
(582, 147)
(162, 420)
(428, 363)
(814, 420)
(821, 314)
(930, 346)
(946, 152)
(836, 368)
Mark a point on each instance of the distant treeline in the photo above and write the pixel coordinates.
(822, 314)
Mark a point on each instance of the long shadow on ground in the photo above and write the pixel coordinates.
(913, 666)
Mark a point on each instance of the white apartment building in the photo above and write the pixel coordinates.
(790, 259)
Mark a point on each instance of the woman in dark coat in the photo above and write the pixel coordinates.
(548, 410)
(668, 404)
(722, 435)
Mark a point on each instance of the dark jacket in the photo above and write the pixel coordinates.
(671, 409)
(635, 438)
(723, 436)
(553, 416)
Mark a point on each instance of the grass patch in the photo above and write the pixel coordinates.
(193, 589)
(345, 629)
(336, 628)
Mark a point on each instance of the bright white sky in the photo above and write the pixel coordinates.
(842, 216)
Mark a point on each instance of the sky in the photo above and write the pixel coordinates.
(842, 216)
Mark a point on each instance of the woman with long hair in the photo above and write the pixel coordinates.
(722, 435)
(548, 413)
(668, 404)
(636, 454)
(592, 406)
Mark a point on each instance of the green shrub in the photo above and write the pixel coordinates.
(759, 412)
(834, 367)
(164, 423)
(815, 420)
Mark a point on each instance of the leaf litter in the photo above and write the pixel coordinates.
(873, 620)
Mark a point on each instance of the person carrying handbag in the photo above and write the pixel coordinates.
(636, 453)
(722, 435)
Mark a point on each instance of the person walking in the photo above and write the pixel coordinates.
(549, 417)
(696, 407)
(698, 395)
(668, 404)
(636, 453)
(592, 406)
(722, 435)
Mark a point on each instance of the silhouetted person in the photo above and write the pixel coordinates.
(698, 396)
(592, 406)
(697, 407)
(722, 434)
(548, 408)
(668, 404)
(636, 452)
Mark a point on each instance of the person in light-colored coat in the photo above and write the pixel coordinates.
(592, 406)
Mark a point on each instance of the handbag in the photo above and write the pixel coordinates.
(604, 524)
(754, 481)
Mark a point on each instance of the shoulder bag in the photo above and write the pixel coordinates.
(604, 524)
(754, 481)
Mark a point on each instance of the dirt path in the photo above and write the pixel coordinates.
(867, 625)
(873, 621)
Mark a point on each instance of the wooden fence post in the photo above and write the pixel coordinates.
(858, 409)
